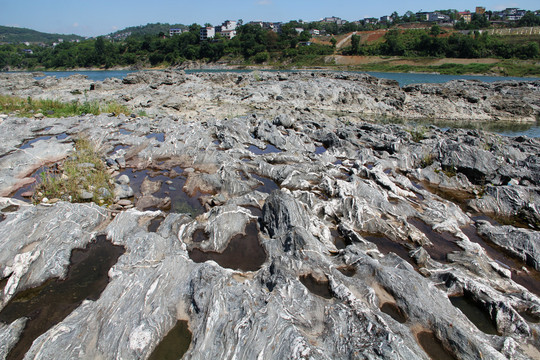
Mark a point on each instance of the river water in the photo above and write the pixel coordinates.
(531, 130)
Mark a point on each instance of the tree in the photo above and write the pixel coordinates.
(435, 30)
(529, 19)
(355, 42)
(333, 41)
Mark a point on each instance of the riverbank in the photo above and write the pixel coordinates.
(351, 96)
(447, 66)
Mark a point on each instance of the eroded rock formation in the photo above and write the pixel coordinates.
(364, 232)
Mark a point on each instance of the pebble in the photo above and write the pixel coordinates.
(27, 194)
(86, 195)
(124, 202)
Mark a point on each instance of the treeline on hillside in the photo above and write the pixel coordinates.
(256, 45)
(10, 34)
(456, 45)
(252, 44)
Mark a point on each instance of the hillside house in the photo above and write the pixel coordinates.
(274, 26)
(334, 20)
(173, 32)
(227, 29)
(465, 15)
(432, 16)
(208, 32)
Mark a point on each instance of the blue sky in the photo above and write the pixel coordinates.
(100, 17)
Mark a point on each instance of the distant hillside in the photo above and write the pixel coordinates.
(20, 35)
(148, 29)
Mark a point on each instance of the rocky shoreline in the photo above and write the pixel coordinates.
(315, 95)
(287, 232)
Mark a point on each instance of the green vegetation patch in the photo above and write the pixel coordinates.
(82, 177)
(53, 108)
(504, 68)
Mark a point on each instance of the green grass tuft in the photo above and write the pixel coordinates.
(84, 170)
(53, 108)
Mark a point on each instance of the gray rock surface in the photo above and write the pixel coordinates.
(380, 218)
(523, 243)
(288, 96)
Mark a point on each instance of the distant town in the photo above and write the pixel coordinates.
(508, 38)
(504, 17)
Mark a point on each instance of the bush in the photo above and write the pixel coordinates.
(261, 57)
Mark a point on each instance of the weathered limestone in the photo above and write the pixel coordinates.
(291, 95)
(353, 218)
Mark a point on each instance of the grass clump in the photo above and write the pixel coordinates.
(53, 108)
(427, 160)
(82, 174)
(418, 133)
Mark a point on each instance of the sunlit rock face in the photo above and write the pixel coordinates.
(296, 236)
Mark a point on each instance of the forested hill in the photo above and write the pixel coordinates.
(148, 29)
(19, 35)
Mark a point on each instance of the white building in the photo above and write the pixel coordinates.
(207, 33)
(227, 29)
(173, 32)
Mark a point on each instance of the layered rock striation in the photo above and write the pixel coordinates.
(309, 94)
(363, 233)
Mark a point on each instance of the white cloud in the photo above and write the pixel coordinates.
(75, 24)
(264, 2)
(114, 28)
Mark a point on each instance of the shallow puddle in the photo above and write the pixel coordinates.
(124, 131)
(475, 313)
(3, 283)
(50, 303)
(320, 150)
(10, 208)
(244, 252)
(529, 318)
(268, 185)
(394, 311)
(529, 280)
(199, 235)
(155, 223)
(180, 201)
(29, 143)
(175, 344)
(443, 243)
(158, 136)
(317, 287)
(255, 211)
(267, 150)
(30, 187)
(118, 147)
(385, 246)
(61, 136)
(433, 346)
(339, 241)
(460, 198)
